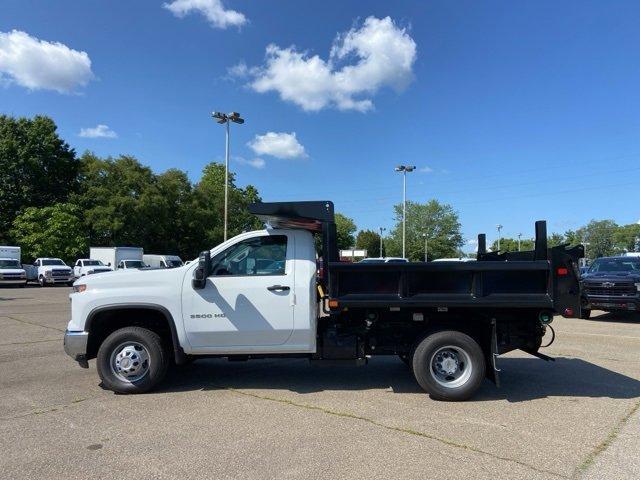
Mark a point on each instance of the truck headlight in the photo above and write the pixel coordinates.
(79, 288)
(47, 273)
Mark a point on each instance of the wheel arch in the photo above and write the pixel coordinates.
(104, 320)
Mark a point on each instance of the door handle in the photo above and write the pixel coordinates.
(278, 288)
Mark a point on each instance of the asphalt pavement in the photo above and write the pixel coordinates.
(577, 417)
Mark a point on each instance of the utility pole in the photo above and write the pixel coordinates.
(382, 229)
(519, 237)
(404, 169)
(225, 119)
(499, 227)
(426, 245)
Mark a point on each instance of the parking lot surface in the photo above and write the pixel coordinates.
(577, 417)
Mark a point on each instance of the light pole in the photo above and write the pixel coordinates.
(426, 245)
(519, 237)
(404, 169)
(499, 227)
(223, 118)
(382, 229)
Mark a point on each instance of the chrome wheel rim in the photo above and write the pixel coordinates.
(130, 362)
(450, 366)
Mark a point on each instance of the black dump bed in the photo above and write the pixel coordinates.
(544, 278)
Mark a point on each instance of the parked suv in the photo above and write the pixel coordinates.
(611, 284)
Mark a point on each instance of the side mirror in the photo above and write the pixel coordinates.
(203, 270)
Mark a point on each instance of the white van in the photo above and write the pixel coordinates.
(162, 261)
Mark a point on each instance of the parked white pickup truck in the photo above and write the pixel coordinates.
(87, 266)
(11, 271)
(257, 295)
(49, 271)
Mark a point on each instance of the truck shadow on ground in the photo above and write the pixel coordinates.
(522, 378)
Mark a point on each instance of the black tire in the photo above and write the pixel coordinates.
(157, 364)
(41, 281)
(585, 314)
(425, 373)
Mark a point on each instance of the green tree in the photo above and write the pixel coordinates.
(370, 241)
(626, 238)
(37, 168)
(598, 237)
(511, 244)
(208, 207)
(438, 221)
(345, 230)
(55, 231)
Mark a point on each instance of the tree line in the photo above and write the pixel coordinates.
(601, 238)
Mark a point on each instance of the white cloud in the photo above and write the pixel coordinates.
(99, 131)
(258, 163)
(213, 10)
(279, 145)
(425, 169)
(361, 62)
(41, 65)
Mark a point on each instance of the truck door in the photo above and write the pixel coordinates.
(249, 298)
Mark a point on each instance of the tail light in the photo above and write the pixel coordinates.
(562, 271)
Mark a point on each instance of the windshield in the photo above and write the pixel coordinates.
(10, 264)
(53, 261)
(615, 265)
(174, 263)
(134, 264)
(93, 263)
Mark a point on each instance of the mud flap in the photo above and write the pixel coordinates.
(493, 373)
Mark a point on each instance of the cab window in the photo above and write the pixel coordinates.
(264, 255)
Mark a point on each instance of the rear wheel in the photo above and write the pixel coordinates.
(449, 365)
(132, 360)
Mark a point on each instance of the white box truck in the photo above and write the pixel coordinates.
(118, 257)
(163, 261)
(11, 271)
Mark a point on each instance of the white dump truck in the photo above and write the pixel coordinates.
(162, 261)
(49, 271)
(118, 257)
(11, 271)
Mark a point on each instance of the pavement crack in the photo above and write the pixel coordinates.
(29, 343)
(34, 324)
(53, 408)
(395, 428)
(608, 440)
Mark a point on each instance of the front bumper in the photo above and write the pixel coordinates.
(606, 302)
(13, 281)
(68, 279)
(75, 345)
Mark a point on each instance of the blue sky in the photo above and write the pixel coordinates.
(516, 111)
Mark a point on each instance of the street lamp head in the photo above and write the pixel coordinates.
(220, 117)
(410, 168)
(400, 168)
(235, 117)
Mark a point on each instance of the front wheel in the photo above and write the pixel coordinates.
(132, 360)
(449, 365)
(41, 281)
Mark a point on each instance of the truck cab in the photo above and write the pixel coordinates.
(12, 273)
(50, 271)
(88, 266)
